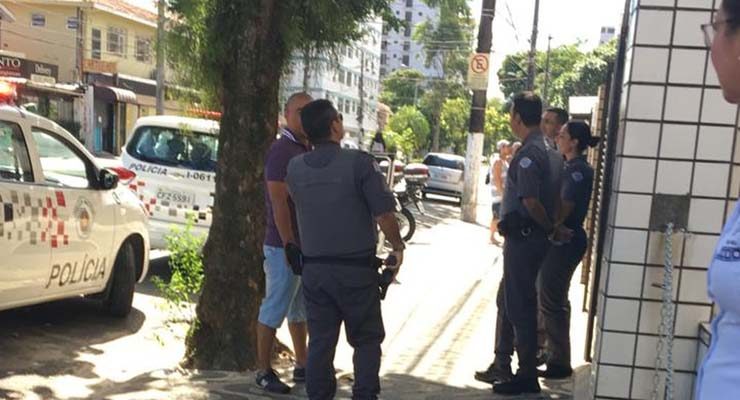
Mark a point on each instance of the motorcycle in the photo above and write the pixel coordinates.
(408, 192)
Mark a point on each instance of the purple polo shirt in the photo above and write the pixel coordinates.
(276, 168)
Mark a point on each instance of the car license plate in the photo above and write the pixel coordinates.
(175, 196)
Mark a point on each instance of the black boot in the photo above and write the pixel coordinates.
(518, 385)
(556, 372)
(495, 373)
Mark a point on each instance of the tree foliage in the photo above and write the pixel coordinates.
(237, 51)
(497, 125)
(408, 131)
(402, 87)
(572, 72)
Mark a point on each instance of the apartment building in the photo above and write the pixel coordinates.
(399, 49)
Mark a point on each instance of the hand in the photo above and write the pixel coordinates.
(562, 234)
(396, 265)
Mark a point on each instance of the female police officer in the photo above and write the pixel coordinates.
(562, 259)
(719, 376)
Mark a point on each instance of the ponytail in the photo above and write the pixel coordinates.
(580, 131)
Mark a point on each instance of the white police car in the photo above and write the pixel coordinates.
(174, 159)
(66, 227)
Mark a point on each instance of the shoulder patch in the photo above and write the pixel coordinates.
(525, 162)
(577, 176)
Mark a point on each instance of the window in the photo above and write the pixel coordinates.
(61, 165)
(117, 41)
(342, 74)
(143, 49)
(173, 147)
(72, 23)
(38, 20)
(406, 46)
(15, 164)
(405, 60)
(409, 3)
(97, 44)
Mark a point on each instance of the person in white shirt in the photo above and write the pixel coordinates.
(499, 169)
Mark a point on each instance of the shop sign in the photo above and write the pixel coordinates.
(17, 67)
(102, 67)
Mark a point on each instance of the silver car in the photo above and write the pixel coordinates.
(446, 174)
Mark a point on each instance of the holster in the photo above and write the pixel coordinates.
(514, 226)
(295, 258)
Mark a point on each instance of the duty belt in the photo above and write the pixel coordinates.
(367, 261)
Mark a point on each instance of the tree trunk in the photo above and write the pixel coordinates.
(223, 337)
(435, 130)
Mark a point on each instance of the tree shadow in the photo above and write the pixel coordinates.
(47, 340)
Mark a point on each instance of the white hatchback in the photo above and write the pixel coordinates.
(66, 227)
(446, 174)
(174, 159)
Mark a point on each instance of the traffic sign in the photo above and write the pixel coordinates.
(478, 70)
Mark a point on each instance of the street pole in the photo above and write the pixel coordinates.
(533, 48)
(474, 153)
(547, 72)
(361, 112)
(160, 56)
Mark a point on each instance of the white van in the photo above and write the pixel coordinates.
(174, 159)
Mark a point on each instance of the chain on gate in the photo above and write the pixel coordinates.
(667, 318)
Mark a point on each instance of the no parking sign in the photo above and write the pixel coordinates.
(478, 69)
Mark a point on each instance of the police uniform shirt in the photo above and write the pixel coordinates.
(578, 179)
(529, 177)
(331, 209)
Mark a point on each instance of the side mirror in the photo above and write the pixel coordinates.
(108, 179)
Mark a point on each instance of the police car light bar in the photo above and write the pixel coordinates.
(7, 91)
(125, 176)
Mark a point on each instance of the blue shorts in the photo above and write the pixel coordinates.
(283, 291)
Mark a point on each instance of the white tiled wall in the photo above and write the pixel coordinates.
(677, 136)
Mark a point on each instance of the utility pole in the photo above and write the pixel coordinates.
(361, 111)
(160, 56)
(547, 72)
(531, 73)
(474, 152)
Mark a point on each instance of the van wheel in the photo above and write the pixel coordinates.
(121, 294)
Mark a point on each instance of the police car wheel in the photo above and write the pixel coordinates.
(121, 294)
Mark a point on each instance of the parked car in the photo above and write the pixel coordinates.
(67, 228)
(174, 159)
(446, 175)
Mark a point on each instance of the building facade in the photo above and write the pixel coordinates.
(677, 160)
(607, 34)
(399, 49)
(351, 82)
(103, 53)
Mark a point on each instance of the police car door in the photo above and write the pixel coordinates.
(24, 254)
(84, 220)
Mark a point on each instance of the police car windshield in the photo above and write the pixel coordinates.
(434, 160)
(175, 147)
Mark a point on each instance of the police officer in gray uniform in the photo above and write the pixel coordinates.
(528, 210)
(563, 258)
(339, 196)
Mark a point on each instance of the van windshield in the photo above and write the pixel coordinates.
(175, 147)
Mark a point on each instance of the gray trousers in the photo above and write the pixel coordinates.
(516, 321)
(554, 285)
(336, 294)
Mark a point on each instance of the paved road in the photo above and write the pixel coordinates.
(439, 324)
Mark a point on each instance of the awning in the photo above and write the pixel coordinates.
(112, 94)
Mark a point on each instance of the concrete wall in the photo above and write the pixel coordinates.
(677, 136)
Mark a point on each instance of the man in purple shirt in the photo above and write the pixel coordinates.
(283, 292)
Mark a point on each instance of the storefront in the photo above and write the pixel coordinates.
(39, 92)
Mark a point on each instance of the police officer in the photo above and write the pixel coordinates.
(562, 259)
(528, 207)
(339, 195)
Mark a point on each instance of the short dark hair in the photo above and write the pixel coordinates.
(529, 107)
(581, 131)
(732, 9)
(562, 115)
(316, 118)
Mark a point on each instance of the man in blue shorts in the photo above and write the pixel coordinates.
(283, 291)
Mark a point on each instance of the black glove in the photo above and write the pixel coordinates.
(295, 258)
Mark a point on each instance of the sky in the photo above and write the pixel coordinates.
(566, 21)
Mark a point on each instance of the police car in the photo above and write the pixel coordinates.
(174, 159)
(66, 227)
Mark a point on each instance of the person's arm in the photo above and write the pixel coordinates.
(497, 172)
(538, 213)
(389, 225)
(278, 192)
